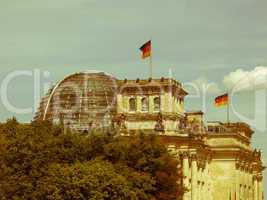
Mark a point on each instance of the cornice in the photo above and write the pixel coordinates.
(157, 86)
(140, 116)
(242, 138)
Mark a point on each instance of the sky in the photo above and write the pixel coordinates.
(220, 44)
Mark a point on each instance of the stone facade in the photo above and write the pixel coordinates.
(151, 105)
(216, 159)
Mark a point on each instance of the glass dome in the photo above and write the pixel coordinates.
(81, 101)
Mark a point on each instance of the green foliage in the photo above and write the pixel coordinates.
(96, 179)
(42, 161)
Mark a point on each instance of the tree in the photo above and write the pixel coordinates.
(96, 180)
(42, 161)
(147, 154)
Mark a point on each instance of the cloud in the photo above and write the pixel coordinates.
(203, 86)
(247, 80)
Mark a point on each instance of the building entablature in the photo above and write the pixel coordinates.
(239, 128)
(231, 139)
(148, 116)
(196, 154)
(151, 86)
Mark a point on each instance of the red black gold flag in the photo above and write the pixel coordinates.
(146, 49)
(221, 100)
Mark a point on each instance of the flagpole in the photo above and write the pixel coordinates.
(150, 66)
(228, 108)
(150, 60)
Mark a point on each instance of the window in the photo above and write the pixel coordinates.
(132, 104)
(144, 103)
(156, 104)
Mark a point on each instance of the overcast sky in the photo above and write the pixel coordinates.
(207, 41)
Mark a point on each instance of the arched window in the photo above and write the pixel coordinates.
(156, 104)
(144, 102)
(132, 104)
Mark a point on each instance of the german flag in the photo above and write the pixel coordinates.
(221, 100)
(146, 49)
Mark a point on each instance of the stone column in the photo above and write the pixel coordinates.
(203, 179)
(237, 181)
(246, 192)
(186, 175)
(197, 191)
(138, 104)
(250, 184)
(169, 106)
(255, 189)
(202, 193)
(164, 102)
(208, 193)
(174, 105)
(260, 189)
(242, 182)
(241, 191)
(150, 104)
(246, 183)
(125, 103)
(251, 190)
(194, 178)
